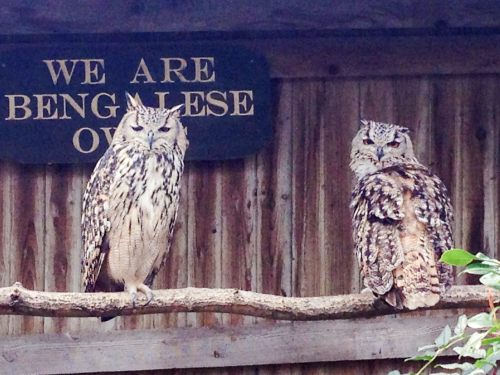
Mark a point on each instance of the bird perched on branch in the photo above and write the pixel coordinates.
(402, 218)
(130, 204)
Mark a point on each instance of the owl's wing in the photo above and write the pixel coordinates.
(433, 208)
(376, 203)
(95, 222)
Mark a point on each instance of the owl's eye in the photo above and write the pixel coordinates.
(137, 128)
(367, 141)
(164, 129)
(393, 144)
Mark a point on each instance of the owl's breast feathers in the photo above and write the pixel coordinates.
(129, 212)
(402, 219)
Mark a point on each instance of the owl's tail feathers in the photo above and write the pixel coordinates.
(417, 282)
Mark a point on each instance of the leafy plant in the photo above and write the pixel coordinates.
(478, 347)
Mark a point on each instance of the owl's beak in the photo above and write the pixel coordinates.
(380, 152)
(151, 136)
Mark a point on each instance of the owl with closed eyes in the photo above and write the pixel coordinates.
(401, 219)
(131, 200)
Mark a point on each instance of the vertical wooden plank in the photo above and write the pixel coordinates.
(444, 147)
(413, 109)
(6, 245)
(174, 274)
(239, 190)
(205, 233)
(471, 136)
(340, 126)
(63, 244)
(307, 118)
(376, 100)
(491, 169)
(275, 199)
(27, 233)
(445, 94)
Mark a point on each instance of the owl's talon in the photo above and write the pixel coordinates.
(133, 296)
(149, 296)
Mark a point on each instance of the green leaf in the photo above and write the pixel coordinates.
(491, 341)
(458, 257)
(481, 320)
(420, 358)
(461, 325)
(480, 269)
(491, 279)
(481, 362)
(444, 337)
(395, 372)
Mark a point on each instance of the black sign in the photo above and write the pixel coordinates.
(60, 103)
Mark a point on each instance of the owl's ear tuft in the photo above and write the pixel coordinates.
(362, 123)
(177, 110)
(131, 102)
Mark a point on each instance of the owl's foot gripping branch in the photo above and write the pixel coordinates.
(17, 300)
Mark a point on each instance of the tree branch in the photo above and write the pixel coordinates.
(16, 300)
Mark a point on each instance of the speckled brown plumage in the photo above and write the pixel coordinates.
(402, 219)
(130, 204)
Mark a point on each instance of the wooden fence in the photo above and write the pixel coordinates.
(278, 222)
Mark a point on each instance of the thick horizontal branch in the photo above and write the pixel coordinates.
(16, 300)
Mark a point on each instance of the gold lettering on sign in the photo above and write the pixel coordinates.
(72, 102)
(177, 71)
(161, 98)
(198, 69)
(23, 106)
(62, 68)
(95, 140)
(91, 67)
(92, 70)
(211, 100)
(143, 71)
(95, 106)
(191, 101)
(240, 102)
(46, 106)
(107, 133)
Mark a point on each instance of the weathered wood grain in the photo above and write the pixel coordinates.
(360, 57)
(300, 342)
(204, 232)
(26, 17)
(340, 124)
(27, 215)
(471, 130)
(274, 209)
(62, 237)
(5, 237)
(491, 165)
(239, 257)
(307, 120)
